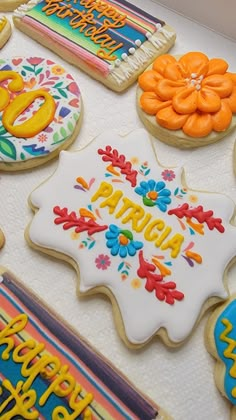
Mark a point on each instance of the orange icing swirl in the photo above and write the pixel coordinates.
(193, 93)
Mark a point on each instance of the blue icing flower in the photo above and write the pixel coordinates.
(120, 241)
(154, 194)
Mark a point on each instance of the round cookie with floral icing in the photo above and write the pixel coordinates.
(2, 238)
(40, 111)
(134, 231)
(5, 30)
(10, 5)
(188, 102)
(220, 339)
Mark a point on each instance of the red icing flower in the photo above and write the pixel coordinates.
(102, 262)
(34, 61)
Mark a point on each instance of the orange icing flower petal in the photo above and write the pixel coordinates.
(150, 103)
(219, 83)
(148, 80)
(166, 89)
(232, 77)
(185, 101)
(168, 118)
(173, 72)
(195, 63)
(217, 66)
(222, 118)
(198, 125)
(162, 61)
(208, 101)
(231, 100)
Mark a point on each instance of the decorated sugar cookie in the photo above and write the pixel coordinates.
(47, 371)
(220, 338)
(5, 30)
(188, 102)
(137, 233)
(112, 40)
(2, 239)
(10, 5)
(40, 111)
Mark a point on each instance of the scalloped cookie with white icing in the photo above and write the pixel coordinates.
(40, 111)
(5, 30)
(220, 340)
(136, 232)
(10, 5)
(189, 101)
(113, 41)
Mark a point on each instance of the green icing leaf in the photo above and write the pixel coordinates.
(55, 137)
(76, 117)
(7, 148)
(2, 130)
(22, 156)
(148, 202)
(70, 126)
(121, 265)
(63, 132)
(127, 234)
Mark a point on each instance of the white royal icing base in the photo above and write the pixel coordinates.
(142, 313)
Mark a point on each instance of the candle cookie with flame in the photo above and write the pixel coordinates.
(113, 41)
(137, 233)
(40, 111)
(188, 102)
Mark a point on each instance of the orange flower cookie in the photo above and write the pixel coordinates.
(188, 102)
(5, 30)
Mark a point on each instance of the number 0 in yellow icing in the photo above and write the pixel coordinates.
(38, 122)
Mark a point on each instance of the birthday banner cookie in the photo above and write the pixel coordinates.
(10, 5)
(40, 111)
(136, 232)
(5, 30)
(113, 41)
(188, 101)
(48, 371)
(220, 338)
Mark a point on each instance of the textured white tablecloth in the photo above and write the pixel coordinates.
(180, 380)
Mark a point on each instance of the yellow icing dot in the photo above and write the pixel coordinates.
(136, 283)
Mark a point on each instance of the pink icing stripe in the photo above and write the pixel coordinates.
(75, 51)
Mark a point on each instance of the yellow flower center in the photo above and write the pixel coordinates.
(152, 195)
(123, 240)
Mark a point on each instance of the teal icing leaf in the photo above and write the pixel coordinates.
(28, 68)
(91, 245)
(22, 156)
(191, 231)
(63, 132)
(7, 148)
(55, 137)
(168, 263)
(62, 93)
(176, 191)
(23, 73)
(38, 71)
(57, 85)
(147, 172)
(121, 265)
(90, 207)
(56, 97)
